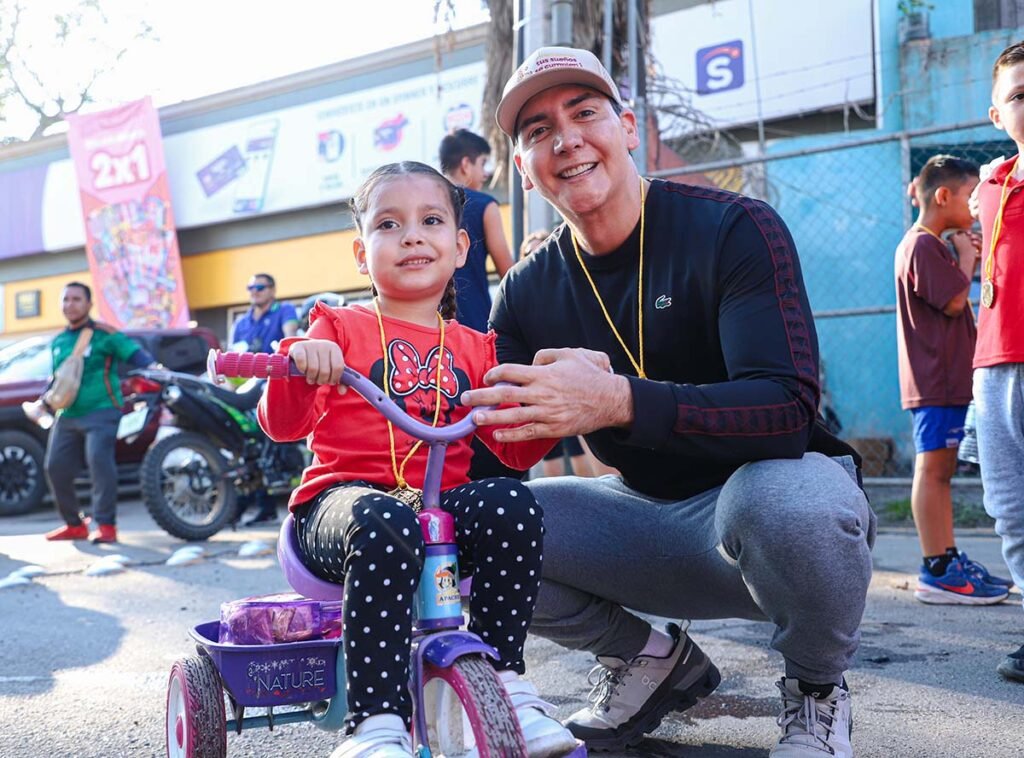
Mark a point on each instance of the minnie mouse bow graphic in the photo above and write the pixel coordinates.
(408, 373)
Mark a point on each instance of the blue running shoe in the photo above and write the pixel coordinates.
(975, 569)
(956, 587)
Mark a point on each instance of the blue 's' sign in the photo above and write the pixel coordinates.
(720, 67)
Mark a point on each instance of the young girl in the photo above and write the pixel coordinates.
(350, 527)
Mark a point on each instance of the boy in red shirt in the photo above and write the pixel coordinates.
(999, 358)
(935, 338)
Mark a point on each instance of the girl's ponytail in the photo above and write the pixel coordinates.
(447, 306)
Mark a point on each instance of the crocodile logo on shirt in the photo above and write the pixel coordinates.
(663, 302)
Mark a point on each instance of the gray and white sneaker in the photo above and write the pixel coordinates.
(814, 727)
(629, 698)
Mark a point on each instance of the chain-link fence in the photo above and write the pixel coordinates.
(847, 207)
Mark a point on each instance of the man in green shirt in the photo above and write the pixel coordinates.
(85, 433)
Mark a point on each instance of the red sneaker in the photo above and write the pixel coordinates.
(68, 532)
(104, 533)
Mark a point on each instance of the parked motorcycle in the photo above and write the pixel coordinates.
(191, 478)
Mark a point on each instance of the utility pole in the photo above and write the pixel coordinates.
(539, 215)
(516, 199)
(561, 23)
(637, 80)
(606, 42)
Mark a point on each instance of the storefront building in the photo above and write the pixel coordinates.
(259, 180)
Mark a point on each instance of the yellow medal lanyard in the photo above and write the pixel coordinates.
(399, 470)
(988, 288)
(638, 367)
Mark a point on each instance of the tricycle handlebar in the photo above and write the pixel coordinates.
(263, 366)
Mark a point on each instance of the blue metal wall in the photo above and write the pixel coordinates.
(847, 207)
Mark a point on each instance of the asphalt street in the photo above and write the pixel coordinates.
(85, 659)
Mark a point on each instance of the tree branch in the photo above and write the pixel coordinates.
(20, 80)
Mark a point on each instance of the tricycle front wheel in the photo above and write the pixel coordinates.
(196, 724)
(468, 712)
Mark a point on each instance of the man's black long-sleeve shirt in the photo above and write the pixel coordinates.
(730, 348)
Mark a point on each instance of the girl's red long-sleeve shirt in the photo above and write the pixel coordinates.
(349, 438)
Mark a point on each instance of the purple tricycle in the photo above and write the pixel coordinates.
(460, 707)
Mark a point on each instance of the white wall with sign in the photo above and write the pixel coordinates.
(298, 157)
(319, 152)
(805, 55)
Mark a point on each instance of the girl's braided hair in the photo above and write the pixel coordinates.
(361, 200)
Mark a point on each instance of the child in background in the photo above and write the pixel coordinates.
(999, 357)
(352, 519)
(463, 157)
(935, 339)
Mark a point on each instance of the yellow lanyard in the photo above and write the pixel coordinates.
(638, 367)
(924, 228)
(399, 471)
(988, 289)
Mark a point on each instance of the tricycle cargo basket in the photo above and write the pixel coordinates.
(272, 675)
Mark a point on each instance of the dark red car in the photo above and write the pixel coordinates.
(25, 369)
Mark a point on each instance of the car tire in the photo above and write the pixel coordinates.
(22, 477)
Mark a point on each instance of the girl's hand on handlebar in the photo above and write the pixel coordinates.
(320, 361)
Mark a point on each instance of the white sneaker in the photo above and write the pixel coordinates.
(814, 727)
(629, 698)
(381, 736)
(545, 737)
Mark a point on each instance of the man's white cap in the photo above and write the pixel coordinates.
(549, 67)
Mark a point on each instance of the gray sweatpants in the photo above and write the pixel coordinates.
(84, 440)
(999, 405)
(783, 540)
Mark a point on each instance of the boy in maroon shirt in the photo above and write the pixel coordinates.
(935, 339)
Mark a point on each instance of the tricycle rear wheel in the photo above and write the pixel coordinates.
(196, 724)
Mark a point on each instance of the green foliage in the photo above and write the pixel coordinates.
(969, 514)
(966, 514)
(895, 512)
(906, 7)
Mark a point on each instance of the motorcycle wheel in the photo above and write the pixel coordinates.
(184, 487)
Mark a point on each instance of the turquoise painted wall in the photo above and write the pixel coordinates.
(846, 208)
(949, 18)
(949, 80)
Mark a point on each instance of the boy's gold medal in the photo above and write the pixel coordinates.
(988, 293)
(988, 287)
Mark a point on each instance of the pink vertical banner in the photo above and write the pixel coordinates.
(129, 226)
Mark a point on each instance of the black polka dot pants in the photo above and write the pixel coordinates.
(358, 536)
(500, 532)
(372, 543)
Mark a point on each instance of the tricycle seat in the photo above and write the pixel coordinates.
(299, 577)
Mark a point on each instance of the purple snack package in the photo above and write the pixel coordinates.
(284, 617)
